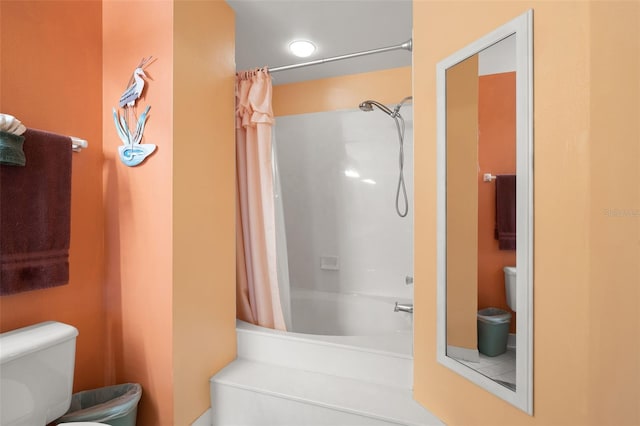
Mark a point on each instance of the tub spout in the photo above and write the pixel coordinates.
(403, 307)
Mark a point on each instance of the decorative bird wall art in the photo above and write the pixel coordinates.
(133, 152)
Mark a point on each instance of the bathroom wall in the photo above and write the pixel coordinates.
(614, 207)
(169, 230)
(344, 92)
(138, 207)
(339, 174)
(462, 204)
(204, 285)
(329, 212)
(587, 196)
(50, 79)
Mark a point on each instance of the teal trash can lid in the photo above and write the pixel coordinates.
(494, 316)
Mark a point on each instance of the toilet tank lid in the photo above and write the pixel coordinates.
(17, 343)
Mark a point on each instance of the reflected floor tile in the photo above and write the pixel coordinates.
(501, 367)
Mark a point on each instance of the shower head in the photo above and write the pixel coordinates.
(368, 106)
(399, 121)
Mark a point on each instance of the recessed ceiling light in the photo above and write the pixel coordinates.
(302, 48)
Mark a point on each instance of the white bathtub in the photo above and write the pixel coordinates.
(362, 338)
(291, 378)
(340, 314)
(364, 351)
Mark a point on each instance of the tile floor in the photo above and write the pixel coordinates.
(501, 368)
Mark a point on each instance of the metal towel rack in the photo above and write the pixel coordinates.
(488, 177)
(78, 144)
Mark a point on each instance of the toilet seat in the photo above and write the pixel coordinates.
(82, 424)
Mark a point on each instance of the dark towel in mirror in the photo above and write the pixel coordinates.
(505, 229)
(35, 215)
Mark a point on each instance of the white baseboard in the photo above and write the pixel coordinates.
(204, 420)
(464, 354)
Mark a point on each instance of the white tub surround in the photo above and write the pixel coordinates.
(294, 379)
(339, 172)
(252, 393)
(384, 360)
(347, 314)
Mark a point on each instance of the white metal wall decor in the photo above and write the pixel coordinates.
(132, 152)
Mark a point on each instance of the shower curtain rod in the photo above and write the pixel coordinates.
(408, 45)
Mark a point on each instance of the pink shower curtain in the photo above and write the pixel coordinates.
(257, 294)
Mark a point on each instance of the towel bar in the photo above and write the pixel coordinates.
(78, 144)
(488, 177)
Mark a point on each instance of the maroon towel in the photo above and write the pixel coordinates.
(35, 215)
(505, 230)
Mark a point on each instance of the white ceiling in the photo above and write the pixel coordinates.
(264, 29)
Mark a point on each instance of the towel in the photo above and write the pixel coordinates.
(11, 153)
(505, 229)
(35, 215)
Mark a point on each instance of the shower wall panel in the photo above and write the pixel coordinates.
(339, 173)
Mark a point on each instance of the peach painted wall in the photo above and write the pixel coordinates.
(51, 59)
(614, 207)
(139, 209)
(586, 305)
(170, 237)
(462, 204)
(344, 92)
(496, 155)
(204, 286)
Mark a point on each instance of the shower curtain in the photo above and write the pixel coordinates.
(257, 293)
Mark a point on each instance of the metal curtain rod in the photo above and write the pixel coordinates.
(408, 45)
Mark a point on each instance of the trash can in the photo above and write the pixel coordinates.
(114, 405)
(493, 331)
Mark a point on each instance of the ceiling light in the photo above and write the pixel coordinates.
(302, 48)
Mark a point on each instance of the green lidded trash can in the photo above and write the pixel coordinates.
(113, 405)
(493, 331)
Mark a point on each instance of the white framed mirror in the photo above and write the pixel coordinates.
(485, 212)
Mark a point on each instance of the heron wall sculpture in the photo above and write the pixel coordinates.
(133, 152)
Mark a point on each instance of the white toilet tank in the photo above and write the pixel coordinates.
(36, 373)
(510, 286)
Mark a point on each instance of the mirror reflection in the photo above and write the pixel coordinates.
(481, 212)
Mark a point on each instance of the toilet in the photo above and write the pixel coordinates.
(36, 374)
(510, 286)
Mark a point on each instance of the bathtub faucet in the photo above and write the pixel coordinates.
(403, 307)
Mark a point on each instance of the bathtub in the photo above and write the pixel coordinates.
(288, 377)
(344, 350)
(355, 322)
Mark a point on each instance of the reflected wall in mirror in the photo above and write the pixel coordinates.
(481, 139)
(484, 202)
